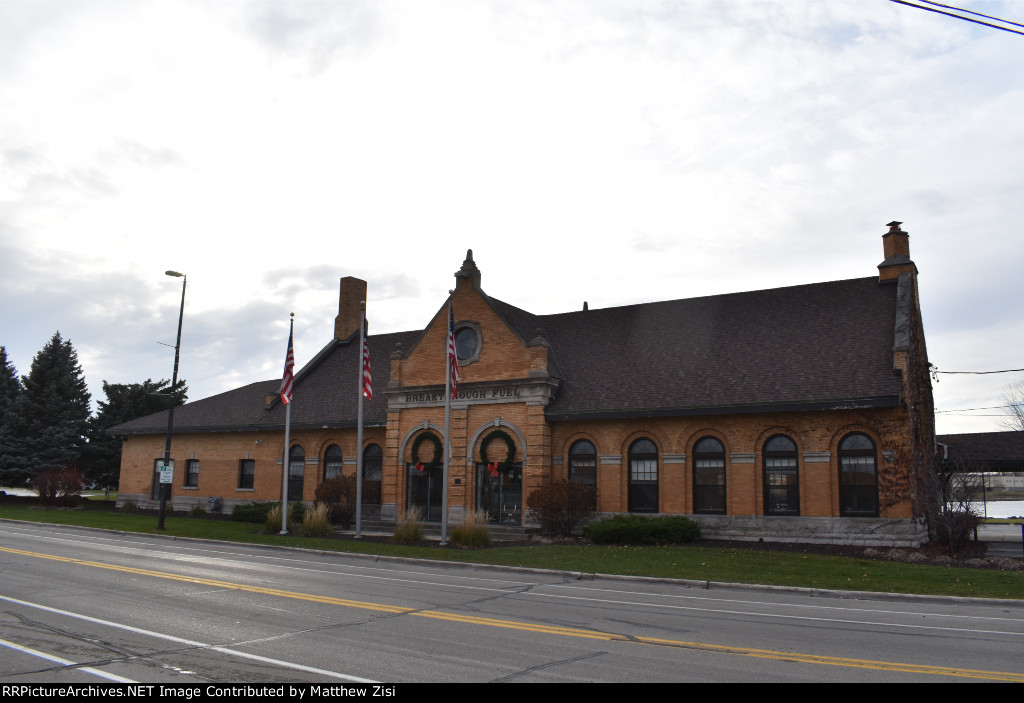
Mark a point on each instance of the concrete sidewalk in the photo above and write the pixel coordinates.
(1002, 540)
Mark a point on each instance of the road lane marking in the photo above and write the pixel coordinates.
(783, 616)
(66, 662)
(554, 630)
(190, 643)
(509, 585)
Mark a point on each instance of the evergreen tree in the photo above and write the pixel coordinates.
(51, 418)
(10, 394)
(125, 401)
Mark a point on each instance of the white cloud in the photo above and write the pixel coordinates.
(617, 152)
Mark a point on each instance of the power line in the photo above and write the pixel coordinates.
(971, 12)
(1005, 370)
(963, 410)
(960, 17)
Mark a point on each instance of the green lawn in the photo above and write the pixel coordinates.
(700, 563)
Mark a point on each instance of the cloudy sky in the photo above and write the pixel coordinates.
(614, 152)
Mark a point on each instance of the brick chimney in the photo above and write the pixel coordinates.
(896, 247)
(353, 294)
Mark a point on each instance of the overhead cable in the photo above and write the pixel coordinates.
(961, 17)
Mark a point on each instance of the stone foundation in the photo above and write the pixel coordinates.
(877, 532)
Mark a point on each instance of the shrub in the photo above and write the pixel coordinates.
(196, 511)
(637, 529)
(955, 528)
(253, 512)
(408, 530)
(272, 521)
(562, 506)
(297, 512)
(316, 524)
(60, 488)
(339, 495)
(130, 506)
(473, 532)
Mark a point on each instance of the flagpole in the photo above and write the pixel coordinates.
(447, 423)
(287, 430)
(359, 422)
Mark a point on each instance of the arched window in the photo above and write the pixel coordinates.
(858, 476)
(332, 462)
(643, 477)
(781, 477)
(709, 476)
(373, 467)
(296, 471)
(583, 464)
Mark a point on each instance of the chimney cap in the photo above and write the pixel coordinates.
(894, 225)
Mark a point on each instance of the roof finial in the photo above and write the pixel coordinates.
(469, 271)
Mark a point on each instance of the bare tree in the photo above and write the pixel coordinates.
(1014, 401)
(956, 487)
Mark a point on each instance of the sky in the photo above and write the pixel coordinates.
(613, 152)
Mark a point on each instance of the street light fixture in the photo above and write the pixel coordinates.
(165, 488)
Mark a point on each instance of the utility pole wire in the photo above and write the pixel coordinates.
(971, 12)
(978, 373)
(966, 19)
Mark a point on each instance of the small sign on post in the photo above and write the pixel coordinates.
(166, 469)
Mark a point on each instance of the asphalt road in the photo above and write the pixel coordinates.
(83, 606)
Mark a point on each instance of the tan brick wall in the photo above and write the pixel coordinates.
(503, 356)
(220, 454)
(741, 434)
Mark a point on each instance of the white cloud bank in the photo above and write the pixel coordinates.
(604, 151)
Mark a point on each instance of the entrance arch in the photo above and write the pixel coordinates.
(499, 477)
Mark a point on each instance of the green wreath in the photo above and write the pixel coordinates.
(498, 434)
(433, 440)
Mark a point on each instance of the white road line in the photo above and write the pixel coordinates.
(346, 570)
(803, 606)
(700, 609)
(161, 552)
(192, 643)
(67, 662)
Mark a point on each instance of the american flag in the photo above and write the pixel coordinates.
(453, 361)
(289, 368)
(367, 380)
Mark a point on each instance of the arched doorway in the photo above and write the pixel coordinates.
(424, 477)
(499, 480)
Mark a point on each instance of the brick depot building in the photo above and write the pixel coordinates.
(801, 413)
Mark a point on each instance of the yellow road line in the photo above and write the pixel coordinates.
(555, 630)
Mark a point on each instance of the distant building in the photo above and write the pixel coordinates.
(999, 454)
(801, 413)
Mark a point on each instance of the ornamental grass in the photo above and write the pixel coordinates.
(316, 523)
(408, 530)
(473, 532)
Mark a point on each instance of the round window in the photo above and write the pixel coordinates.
(466, 343)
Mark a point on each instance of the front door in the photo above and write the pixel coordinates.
(499, 491)
(424, 491)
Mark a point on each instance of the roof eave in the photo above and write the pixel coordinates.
(840, 404)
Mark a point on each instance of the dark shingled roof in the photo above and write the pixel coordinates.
(995, 450)
(219, 413)
(810, 345)
(823, 345)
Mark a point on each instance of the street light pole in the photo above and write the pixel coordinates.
(165, 488)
